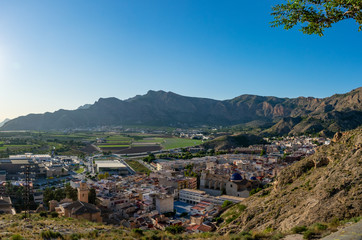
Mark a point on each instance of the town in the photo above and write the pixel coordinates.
(174, 195)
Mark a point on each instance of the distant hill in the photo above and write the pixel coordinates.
(318, 189)
(3, 122)
(233, 141)
(159, 108)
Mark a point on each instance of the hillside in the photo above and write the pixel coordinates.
(233, 141)
(318, 189)
(5, 121)
(159, 108)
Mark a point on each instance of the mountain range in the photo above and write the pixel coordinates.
(160, 108)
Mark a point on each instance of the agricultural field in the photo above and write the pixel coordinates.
(84, 143)
(121, 144)
(171, 143)
(113, 146)
(11, 147)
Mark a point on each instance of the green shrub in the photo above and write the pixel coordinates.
(43, 214)
(76, 236)
(241, 207)
(16, 237)
(230, 219)
(277, 236)
(54, 214)
(49, 234)
(309, 234)
(138, 231)
(299, 229)
(155, 237)
(175, 229)
(320, 226)
(334, 223)
(226, 203)
(218, 220)
(93, 234)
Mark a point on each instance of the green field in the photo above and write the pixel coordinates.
(138, 167)
(13, 147)
(118, 138)
(171, 143)
(151, 140)
(80, 170)
(119, 142)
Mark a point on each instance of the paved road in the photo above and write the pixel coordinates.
(353, 232)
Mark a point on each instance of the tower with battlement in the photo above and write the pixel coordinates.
(83, 192)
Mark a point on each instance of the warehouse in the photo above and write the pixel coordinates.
(111, 166)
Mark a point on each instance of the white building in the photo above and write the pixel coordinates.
(164, 203)
(191, 196)
(111, 166)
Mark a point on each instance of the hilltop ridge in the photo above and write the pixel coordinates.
(159, 108)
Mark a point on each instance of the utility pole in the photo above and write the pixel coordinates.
(27, 189)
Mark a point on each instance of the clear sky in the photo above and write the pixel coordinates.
(63, 54)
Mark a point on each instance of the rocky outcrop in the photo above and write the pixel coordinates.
(318, 188)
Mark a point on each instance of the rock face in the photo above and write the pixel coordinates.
(158, 108)
(319, 188)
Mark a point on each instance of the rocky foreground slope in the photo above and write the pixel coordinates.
(324, 187)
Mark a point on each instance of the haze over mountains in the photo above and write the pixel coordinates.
(159, 108)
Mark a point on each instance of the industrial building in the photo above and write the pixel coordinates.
(111, 166)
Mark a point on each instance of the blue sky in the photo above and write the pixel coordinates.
(63, 54)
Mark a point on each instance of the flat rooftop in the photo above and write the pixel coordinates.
(109, 164)
(193, 191)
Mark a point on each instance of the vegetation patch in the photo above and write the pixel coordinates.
(171, 143)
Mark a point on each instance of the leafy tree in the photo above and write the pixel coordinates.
(263, 152)
(48, 195)
(70, 192)
(92, 196)
(315, 16)
(218, 220)
(59, 194)
(150, 158)
(103, 175)
(184, 214)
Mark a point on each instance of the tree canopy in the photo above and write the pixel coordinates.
(314, 16)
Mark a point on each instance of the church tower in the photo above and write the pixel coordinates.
(83, 191)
